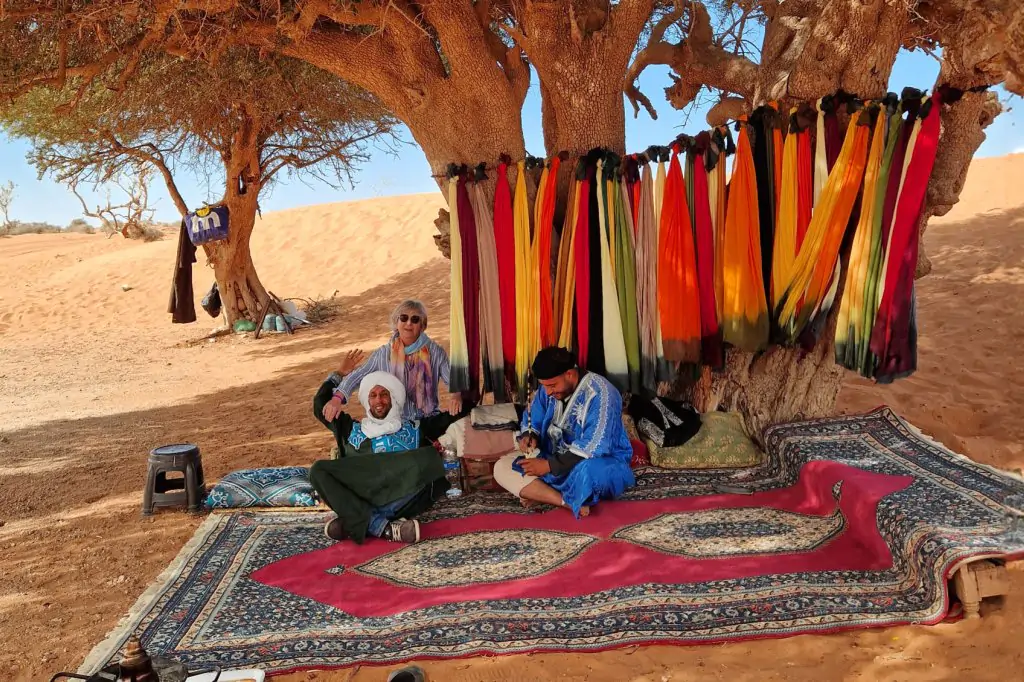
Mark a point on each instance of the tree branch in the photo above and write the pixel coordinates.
(697, 62)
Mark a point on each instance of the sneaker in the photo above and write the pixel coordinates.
(402, 530)
(334, 530)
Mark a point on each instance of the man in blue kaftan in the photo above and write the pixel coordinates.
(573, 448)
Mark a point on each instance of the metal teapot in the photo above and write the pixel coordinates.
(137, 666)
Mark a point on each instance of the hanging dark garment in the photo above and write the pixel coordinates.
(762, 123)
(668, 423)
(182, 306)
(833, 135)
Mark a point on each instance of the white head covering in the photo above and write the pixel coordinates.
(392, 421)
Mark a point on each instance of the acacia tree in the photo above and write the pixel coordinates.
(456, 73)
(241, 121)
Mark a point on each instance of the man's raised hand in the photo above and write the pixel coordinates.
(350, 361)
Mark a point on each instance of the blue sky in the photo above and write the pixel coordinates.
(385, 175)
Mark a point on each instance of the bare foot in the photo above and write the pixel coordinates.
(584, 512)
(527, 504)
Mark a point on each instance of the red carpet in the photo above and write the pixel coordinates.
(589, 558)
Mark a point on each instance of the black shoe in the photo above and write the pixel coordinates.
(408, 674)
(335, 531)
(402, 530)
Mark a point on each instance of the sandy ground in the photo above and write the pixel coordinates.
(92, 377)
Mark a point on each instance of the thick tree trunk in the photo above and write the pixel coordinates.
(241, 291)
(779, 385)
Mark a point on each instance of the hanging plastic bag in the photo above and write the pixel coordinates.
(211, 302)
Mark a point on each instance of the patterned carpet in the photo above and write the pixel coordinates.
(853, 522)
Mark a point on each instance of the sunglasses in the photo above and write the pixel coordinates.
(415, 319)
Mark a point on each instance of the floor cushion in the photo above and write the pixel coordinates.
(269, 487)
(721, 443)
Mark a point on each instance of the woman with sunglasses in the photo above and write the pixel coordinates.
(413, 357)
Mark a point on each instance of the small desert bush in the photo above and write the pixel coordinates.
(320, 309)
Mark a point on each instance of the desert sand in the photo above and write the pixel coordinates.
(92, 377)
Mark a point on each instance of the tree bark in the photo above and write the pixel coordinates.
(241, 291)
(779, 385)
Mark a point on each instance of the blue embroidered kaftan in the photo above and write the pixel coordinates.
(406, 438)
(588, 425)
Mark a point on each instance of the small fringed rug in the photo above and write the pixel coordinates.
(852, 522)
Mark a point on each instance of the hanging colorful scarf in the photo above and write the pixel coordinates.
(805, 173)
(490, 296)
(590, 302)
(647, 281)
(626, 279)
(820, 154)
(581, 242)
(889, 185)
(712, 353)
(595, 306)
(504, 238)
(526, 308)
(544, 229)
(470, 286)
(721, 146)
(744, 308)
(850, 326)
(615, 363)
(686, 144)
(634, 190)
(410, 365)
(778, 144)
(458, 355)
(565, 288)
(678, 296)
(784, 251)
(813, 274)
(894, 338)
(833, 135)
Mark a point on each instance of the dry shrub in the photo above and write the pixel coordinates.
(320, 309)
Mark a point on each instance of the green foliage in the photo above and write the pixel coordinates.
(175, 113)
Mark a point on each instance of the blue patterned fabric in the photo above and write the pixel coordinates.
(589, 425)
(406, 438)
(271, 487)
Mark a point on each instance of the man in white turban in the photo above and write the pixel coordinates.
(386, 472)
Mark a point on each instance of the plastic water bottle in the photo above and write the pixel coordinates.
(451, 472)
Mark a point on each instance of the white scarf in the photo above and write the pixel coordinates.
(392, 422)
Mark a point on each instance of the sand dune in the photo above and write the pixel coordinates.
(93, 376)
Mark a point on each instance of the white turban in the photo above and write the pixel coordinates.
(392, 421)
